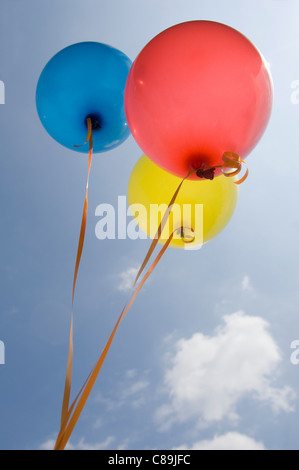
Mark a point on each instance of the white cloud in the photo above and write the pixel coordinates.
(48, 445)
(82, 445)
(134, 394)
(209, 375)
(135, 388)
(127, 278)
(229, 441)
(129, 393)
(130, 373)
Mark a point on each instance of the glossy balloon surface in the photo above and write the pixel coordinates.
(195, 91)
(151, 187)
(84, 80)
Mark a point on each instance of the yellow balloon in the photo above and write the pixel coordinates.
(201, 210)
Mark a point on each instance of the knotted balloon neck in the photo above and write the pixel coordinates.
(208, 174)
(231, 166)
(95, 121)
(187, 234)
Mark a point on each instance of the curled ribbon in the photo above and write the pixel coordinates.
(231, 161)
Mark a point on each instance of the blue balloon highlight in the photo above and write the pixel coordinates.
(85, 80)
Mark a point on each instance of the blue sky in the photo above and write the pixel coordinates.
(203, 358)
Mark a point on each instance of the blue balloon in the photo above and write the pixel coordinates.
(84, 80)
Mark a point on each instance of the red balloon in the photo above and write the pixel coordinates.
(195, 91)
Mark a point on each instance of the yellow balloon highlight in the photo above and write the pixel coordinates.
(201, 210)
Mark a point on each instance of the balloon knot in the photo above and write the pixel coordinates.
(187, 234)
(208, 174)
(95, 121)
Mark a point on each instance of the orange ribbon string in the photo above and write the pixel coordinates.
(70, 415)
(160, 228)
(79, 403)
(68, 379)
(233, 161)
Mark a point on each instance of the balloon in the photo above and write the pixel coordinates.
(150, 187)
(80, 93)
(84, 80)
(195, 91)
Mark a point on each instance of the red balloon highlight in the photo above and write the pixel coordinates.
(195, 91)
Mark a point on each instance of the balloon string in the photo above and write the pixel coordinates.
(84, 216)
(230, 160)
(68, 379)
(72, 414)
(80, 401)
(160, 228)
